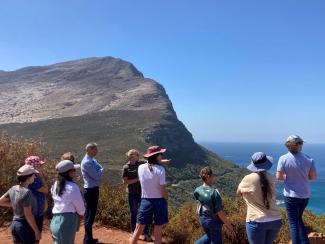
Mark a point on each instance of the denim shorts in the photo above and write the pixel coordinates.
(22, 232)
(153, 209)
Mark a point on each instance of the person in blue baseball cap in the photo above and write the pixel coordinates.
(263, 219)
(296, 169)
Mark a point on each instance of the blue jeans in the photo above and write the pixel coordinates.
(213, 230)
(134, 203)
(295, 208)
(91, 196)
(263, 232)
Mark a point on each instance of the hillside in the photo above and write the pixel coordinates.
(109, 101)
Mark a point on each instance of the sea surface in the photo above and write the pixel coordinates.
(240, 154)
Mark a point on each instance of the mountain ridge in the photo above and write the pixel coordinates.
(109, 101)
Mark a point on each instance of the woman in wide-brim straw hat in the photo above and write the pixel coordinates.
(263, 219)
(68, 204)
(154, 195)
(23, 227)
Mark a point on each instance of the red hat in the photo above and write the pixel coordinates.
(34, 161)
(153, 150)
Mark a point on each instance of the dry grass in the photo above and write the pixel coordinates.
(13, 152)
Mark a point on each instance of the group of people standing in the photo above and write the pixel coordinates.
(263, 219)
(28, 199)
(147, 197)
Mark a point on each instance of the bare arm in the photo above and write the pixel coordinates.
(126, 181)
(164, 192)
(280, 175)
(221, 214)
(5, 202)
(43, 189)
(31, 221)
(312, 175)
(165, 161)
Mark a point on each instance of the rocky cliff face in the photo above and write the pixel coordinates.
(109, 101)
(77, 88)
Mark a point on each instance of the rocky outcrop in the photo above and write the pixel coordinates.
(76, 88)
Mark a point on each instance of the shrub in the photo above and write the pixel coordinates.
(184, 226)
(113, 209)
(13, 152)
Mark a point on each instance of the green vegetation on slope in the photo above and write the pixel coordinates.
(118, 131)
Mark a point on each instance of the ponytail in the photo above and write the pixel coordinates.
(266, 188)
(61, 182)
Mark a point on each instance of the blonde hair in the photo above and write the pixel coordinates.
(68, 156)
(131, 152)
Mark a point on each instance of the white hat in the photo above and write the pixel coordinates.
(66, 165)
(26, 170)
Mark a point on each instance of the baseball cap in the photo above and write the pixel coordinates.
(26, 170)
(66, 165)
(295, 138)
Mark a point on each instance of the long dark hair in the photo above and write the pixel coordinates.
(61, 181)
(266, 188)
(152, 160)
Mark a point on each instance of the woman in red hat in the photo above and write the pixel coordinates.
(154, 195)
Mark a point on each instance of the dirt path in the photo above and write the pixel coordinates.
(105, 235)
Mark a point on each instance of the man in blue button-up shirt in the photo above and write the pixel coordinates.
(92, 172)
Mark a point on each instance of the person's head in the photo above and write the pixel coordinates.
(66, 172)
(68, 156)
(260, 162)
(91, 149)
(34, 161)
(26, 174)
(294, 144)
(133, 155)
(206, 175)
(154, 155)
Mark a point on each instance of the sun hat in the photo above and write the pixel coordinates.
(66, 165)
(26, 170)
(260, 162)
(295, 139)
(153, 150)
(34, 161)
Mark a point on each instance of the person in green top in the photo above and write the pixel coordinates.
(210, 210)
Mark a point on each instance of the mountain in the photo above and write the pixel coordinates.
(109, 101)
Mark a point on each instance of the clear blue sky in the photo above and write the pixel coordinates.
(234, 70)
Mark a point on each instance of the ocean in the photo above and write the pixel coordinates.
(240, 153)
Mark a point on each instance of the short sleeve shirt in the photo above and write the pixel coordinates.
(251, 189)
(130, 171)
(209, 197)
(296, 168)
(21, 197)
(151, 181)
(39, 196)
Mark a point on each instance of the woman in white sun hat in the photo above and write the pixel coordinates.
(68, 204)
